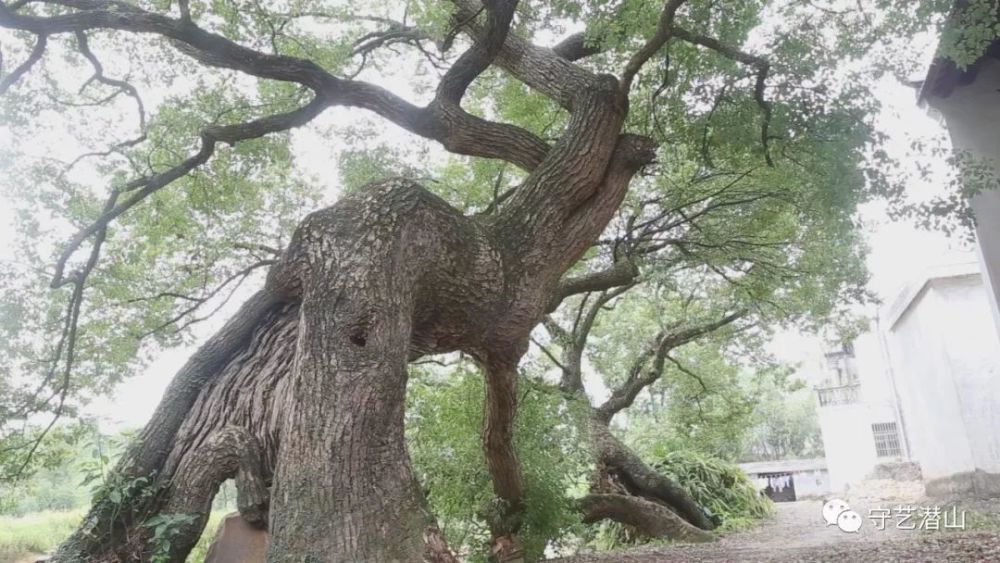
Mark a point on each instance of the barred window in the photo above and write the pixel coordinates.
(886, 439)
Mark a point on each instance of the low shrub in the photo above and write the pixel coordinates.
(719, 486)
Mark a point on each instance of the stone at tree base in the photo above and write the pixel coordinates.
(237, 542)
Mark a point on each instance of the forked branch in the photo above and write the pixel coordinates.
(763, 70)
(659, 349)
(664, 30)
(141, 188)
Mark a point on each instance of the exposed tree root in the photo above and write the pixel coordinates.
(650, 518)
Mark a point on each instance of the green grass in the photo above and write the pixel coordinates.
(40, 532)
(34, 533)
(197, 554)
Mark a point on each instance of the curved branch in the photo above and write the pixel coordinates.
(231, 452)
(474, 61)
(144, 187)
(642, 480)
(663, 32)
(763, 69)
(66, 347)
(653, 519)
(623, 397)
(457, 130)
(121, 85)
(23, 68)
(540, 68)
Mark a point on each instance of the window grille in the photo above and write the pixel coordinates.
(886, 439)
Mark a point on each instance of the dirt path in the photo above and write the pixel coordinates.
(797, 533)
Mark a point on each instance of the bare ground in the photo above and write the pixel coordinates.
(797, 533)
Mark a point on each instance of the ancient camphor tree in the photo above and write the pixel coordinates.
(300, 396)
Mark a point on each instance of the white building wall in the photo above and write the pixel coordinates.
(848, 439)
(873, 373)
(848, 443)
(929, 398)
(812, 484)
(972, 350)
(932, 366)
(972, 113)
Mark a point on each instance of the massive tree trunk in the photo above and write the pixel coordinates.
(300, 397)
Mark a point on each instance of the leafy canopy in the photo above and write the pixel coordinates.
(762, 110)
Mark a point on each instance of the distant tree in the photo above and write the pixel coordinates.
(51, 480)
(784, 426)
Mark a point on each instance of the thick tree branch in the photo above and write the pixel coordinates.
(478, 58)
(36, 55)
(540, 68)
(498, 446)
(458, 131)
(575, 47)
(639, 379)
(653, 519)
(231, 452)
(623, 272)
(641, 480)
(663, 32)
(552, 72)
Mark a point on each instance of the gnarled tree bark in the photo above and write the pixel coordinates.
(301, 395)
(314, 367)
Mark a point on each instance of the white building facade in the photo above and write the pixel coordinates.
(944, 353)
(857, 412)
(923, 385)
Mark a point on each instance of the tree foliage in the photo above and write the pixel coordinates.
(784, 426)
(722, 112)
(170, 165)
(445, 415)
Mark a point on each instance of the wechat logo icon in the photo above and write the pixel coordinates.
(836, 512)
